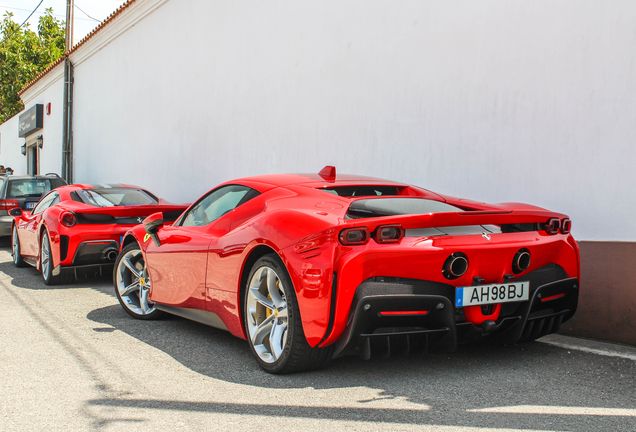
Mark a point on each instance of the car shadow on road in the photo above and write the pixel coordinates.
(30, 278)
(474, 377)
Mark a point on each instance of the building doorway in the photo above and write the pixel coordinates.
(33, 156)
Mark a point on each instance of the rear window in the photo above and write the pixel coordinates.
(369, 208)
(22, 188)
(115, 197)
(357, 191)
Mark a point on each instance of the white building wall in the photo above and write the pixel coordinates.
(49, 90)
(494, 101)
(10, 144)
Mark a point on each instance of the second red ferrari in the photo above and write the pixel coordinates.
(79, 227)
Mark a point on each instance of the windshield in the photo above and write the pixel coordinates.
(22, 188)
(368, 208)
(116, 197)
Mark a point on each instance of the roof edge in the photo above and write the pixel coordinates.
(86, 38)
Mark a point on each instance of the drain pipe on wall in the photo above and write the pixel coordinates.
(67, 134)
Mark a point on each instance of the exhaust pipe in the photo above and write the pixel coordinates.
(521, 261)
(111, 254)
(455, 266)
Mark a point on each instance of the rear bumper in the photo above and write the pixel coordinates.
(6, 222)
(390, 314)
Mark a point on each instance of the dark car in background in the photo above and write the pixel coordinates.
(23, 191)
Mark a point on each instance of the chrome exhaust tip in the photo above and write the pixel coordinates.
(111, 255)
(521, 261)
(455, 266)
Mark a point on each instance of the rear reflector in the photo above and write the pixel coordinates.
(554, 297)
(354, 236)
(388, 234)
(402, 313)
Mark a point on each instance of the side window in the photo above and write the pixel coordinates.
(46, 202)
(216, 204)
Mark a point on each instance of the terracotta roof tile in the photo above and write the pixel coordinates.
(86, 38)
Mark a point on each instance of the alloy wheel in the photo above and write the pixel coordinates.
(267, 317)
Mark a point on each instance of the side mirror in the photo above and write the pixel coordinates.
(152, 224)
(16, 212)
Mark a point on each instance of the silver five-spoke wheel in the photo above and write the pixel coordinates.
(267, 317)
(272, 320)
(132, 284)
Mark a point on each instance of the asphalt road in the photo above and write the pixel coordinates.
(71, 359)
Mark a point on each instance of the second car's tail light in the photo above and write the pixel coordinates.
(566, 226)
(552, 226)
(354, 236)
(388, 234)
(68, 219)
(8, 204)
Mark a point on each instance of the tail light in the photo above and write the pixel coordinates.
(354, 236)
(68, 219)
(388, 234)
(566, 225)
(552, 226)
(8, 204)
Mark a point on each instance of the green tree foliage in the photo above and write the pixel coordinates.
(24, 54)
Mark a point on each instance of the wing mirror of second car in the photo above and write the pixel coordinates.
(16, 212)
(152, 224)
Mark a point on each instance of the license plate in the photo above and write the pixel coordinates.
(489, 294)
(30, 205)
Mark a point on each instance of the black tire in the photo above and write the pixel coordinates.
(18, 261)
(46, 265)
(289, 351)
(132, 287)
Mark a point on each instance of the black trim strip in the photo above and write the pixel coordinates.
(332, 311)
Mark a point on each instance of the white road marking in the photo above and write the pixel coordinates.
(559, 410)
(592, 347)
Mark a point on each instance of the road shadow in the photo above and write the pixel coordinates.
(473, 377)
(30, 278)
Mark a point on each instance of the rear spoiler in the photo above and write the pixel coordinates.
(465, 218)
(127, 211)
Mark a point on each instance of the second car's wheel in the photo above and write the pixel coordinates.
(15, 249)
(46, 264)
(132, 284)
(272, 321)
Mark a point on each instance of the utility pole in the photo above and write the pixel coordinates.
(67, 132)
(70, 7)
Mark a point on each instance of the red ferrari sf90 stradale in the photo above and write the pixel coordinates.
(310, 267)
(79, 227)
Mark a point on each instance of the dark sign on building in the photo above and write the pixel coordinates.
(31, 120)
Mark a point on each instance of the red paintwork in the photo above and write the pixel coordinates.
(31, 226)
(203, 267)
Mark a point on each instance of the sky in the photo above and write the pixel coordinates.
(88, 13)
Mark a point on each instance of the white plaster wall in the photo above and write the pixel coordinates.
(10, 143)
(49, 90)
(489, 100)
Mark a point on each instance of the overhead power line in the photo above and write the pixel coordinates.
(86, 14)
(36, 8)
(43, 13)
